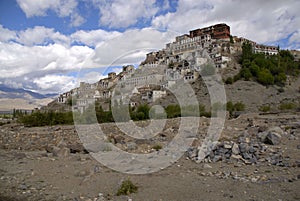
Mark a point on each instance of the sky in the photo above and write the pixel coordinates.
(49, 46)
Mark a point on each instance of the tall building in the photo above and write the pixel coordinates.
(218, 31)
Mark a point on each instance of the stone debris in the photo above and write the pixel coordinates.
(248, 149)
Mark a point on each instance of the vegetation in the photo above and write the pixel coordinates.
(141, 113)
(287, 106)
(157, 147)
(231, 108)
(126, 188)
(265, 108)
(266, 69)
(38, 118)
(229, 80)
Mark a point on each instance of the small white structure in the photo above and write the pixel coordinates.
(157, 94)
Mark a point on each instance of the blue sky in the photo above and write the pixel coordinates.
(50, 45)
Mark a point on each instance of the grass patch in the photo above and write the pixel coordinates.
(126, 188)
(287, 106)
(157, 147)
(265, 108)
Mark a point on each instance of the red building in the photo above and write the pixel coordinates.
(218, 31)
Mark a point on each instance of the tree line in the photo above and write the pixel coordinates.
(266, 69)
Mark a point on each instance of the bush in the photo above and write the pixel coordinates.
(229, 80)
(287, 106)
(245, 73)
(126, 188)
(265, 108)
(46, 118)
(265, 77)
(231, 108)
(157, 147)
(173, 111)
(141, 113)
(239, 106)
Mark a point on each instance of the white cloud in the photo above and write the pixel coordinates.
(55, 83)
(129, 48)
(123, 13)
(262, 21)
(41, 35)
(77, 20)
(94, 37)
(63, 8)
(18, 60)
(6, 34)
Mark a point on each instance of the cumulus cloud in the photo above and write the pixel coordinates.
(41, 35)
(262, 21)
(94, 37)
(123, 13)
(17, 60)
(6, 34)
(130, 47)
(63, 8)
(55, 83)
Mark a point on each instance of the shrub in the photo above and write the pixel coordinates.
(265, 108)
(239, 106)
(265, 77)
(229, 80)
(157, 147)
(173, 111)
(46, 118)
(126, 188)
(287, 106)
(245, 73)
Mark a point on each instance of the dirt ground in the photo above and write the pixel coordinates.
(36, 175)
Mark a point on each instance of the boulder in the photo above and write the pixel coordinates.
(235, 149)
(272, 138)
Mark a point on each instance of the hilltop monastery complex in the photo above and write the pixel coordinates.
(182, 59)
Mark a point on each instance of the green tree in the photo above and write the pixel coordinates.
(265, 77)
(245, 73)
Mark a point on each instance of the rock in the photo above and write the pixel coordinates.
(235, 149)
(272, 138)
(206, 166)
(77, 148)
(276, 129)
(298, 146)
(262, 136)
(191, 153)
(227, 145)
(243, 147)
(235, 156)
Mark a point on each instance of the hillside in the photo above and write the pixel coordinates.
(19, 98)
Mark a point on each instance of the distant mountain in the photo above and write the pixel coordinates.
(8, 92)
(22, 99)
